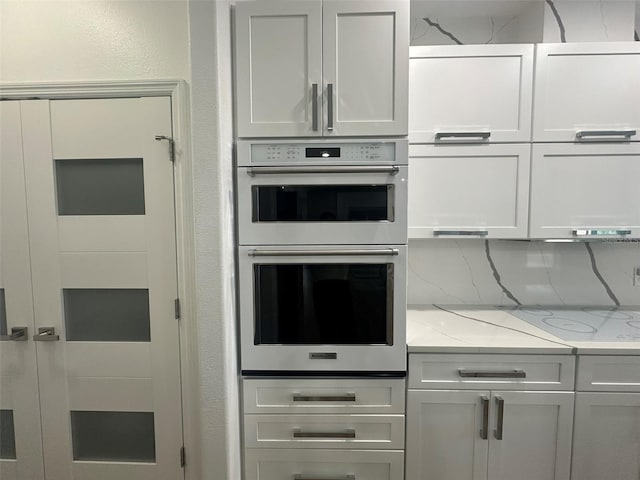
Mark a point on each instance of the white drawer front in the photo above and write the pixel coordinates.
(342, 395)
(264, 464)
(608, 374)
(514, 372)
(324, 431)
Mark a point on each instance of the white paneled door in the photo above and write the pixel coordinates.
(100, 209)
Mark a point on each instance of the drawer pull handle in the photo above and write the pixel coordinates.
(349, 433)
(498, 432)
(349, 397)
(594, 134)
(484, 433)
(599, 232)
(464, 373)
(465, 135)
(297, 476)
(466, 233)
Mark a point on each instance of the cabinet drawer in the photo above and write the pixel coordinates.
(324, 395)
(598, 373)
(324, 431)
(514, 372)
(266, 464)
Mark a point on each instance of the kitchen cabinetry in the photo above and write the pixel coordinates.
(482, 428)
(468, 191)
(322, 68)
(607, 419)
(470, 93)
(586, 92)
(585, 191)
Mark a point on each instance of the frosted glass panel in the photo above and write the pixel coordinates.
(7, 435)
(107, 315)
(3, 314)
(113, 436)
(100, 187)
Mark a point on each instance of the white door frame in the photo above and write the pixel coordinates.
(185, 241)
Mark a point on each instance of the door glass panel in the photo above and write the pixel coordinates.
(100, 187)
(322, 203)
(7, 435)
(107, 315)
(312, 304)
(113, 436)
(3, 314)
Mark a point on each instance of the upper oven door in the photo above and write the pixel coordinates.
(322, 205)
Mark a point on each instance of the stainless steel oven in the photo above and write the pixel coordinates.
(311, 193)
(329, 308)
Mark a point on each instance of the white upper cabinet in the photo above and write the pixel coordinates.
(316, 68)
(471, 93)
(585, 191)
(587, 91)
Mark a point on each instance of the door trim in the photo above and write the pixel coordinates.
(185, 242)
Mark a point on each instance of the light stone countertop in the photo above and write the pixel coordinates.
(461, 329)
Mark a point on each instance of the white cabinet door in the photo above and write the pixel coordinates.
(583, 191)
(447, 435)
(470, 92)
(20, 429)
(531, 436)
(468, 191)
(278, 68)
(365, 67)
(589, 88)
(102, 241)
(607, 436)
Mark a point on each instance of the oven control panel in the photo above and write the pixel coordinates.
(284, 153)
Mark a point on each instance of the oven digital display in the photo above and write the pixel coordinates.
(314, 152)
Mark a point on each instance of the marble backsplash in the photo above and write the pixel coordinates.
(508, 273)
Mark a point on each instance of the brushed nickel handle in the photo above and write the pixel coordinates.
(599, 232)
(464, 135)
(323, 253)
(18, 334)
(499, 431)
(516, 373)
(348, 397)
(314, 107)
(330, 107)
(466, 233)
(46, 334)
(484, 432)
(304, 170)
(348, 433)
(305, 477)
(595, 134)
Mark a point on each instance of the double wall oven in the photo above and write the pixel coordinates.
(322, 229)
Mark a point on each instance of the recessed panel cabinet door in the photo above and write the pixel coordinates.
(102, 240)
(20, 430)
(365, 67)
(278, 68)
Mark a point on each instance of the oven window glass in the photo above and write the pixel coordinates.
(322, 203)
(314, 304)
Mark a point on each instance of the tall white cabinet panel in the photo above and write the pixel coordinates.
(583, 191)
(607, 436)
(20, 429)
(365, 64)
(468, 191)
(102, 241)
(470, 92)
(587, 91)
(279, 68)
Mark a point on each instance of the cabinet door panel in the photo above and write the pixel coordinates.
(365, 60)
(278, 59)
(444, 438)
(536, 436)
(607, 436)
(585, 187)
(471, 88)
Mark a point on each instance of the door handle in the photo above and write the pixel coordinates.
(330, 107)
(484, 432)
(314, 107)
(322, 169)
(595, 134)
(18, 334)
(323, 253)
(498, 432)
(46, 334)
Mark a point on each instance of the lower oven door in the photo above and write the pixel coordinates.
(323, 309)
(302, 205)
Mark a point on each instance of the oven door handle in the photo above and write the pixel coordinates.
(303, 170)
(323, 252)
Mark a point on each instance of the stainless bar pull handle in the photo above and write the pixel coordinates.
(599, 232)
(466, 233)
(484, 431)
(465, 135)
(330, 107)
(18, 334)
(348, 397)
(314, 107)
(464, 373)
(303, 170)
(595, 134)
(323, 253)
(349, 433)
(498, 432)
(46, 334)
(306, 477)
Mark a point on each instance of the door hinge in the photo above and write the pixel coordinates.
(177, 308)
(172, 147)
(182, 457)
